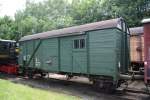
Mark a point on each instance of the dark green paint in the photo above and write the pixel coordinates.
(105, 50)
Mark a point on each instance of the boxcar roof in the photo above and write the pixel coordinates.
(136, 30)
(75, 30)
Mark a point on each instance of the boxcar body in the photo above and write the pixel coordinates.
(137, 48)
(146, 24)
(97, 50)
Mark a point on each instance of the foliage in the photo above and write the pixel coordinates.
(7, 28)
(43, 16)
(132, 10)
(55, 14)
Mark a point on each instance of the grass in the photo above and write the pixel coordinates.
(11, 91)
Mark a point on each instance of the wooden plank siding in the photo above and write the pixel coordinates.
(137, 48)
(102, 54)
(102, 49)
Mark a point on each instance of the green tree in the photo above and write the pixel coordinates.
(85, 11)
(43, 16)
(55, 14)
(7, 28)
(132, 10)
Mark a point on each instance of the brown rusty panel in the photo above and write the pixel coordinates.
(136, 48)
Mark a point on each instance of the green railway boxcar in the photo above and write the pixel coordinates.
(97, 50)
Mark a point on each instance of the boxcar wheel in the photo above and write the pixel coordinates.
(43, 75)
(30, 75)
(68, 77)
(103, 86)
(109, 87)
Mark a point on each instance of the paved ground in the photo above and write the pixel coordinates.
(77, 86)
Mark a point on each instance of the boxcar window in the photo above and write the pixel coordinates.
(76, 44)
(79, 44)
(82, 43)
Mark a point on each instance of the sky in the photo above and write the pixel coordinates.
(9, 7)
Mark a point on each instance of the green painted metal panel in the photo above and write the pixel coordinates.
(79, 58)
(102, 52)
(79, 62)
(123, 53)
(29, 51)
(66, 54)
(50, 54)
(72, 60)
(38, 57)
(22, 54)
(108, 52)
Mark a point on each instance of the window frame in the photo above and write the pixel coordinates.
(76, 44)
(81, 42)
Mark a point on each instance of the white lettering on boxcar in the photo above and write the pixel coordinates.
(37, 62)
(24, 58)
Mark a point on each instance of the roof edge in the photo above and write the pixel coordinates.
(147, 20)
(75, 29)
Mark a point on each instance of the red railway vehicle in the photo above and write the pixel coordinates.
(146, 24)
